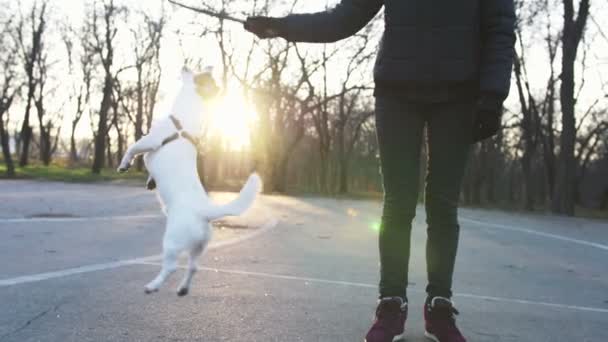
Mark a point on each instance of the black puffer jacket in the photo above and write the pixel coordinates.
(441, 44)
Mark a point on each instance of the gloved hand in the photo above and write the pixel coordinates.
(487, 118)
(265, 27)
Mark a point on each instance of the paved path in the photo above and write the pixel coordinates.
(74, 259)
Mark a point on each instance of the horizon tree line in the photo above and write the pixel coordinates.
(315, 129)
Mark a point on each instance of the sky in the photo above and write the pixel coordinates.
(173, 55)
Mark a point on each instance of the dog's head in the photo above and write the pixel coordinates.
(205, 84)
(197, 92)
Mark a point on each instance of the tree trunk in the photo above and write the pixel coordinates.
(139, 116)
(17, 138)
(45, 146)
(120, 147)
(102, 126)
(323, 169)
(110, 161)
(476, 191)
(26, 129)
(549, 140)
(73, 148)
(528, 182)
(604, 200)
(279, 175)
(549, 153)
(528, 128)
(564, 192)
(45, 131)
(6, 152)
(342, 160)
(26, 137)
(343, 181)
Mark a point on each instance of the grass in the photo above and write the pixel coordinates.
(62, 173)
(591, 213)
(81, 174)
(351, 195)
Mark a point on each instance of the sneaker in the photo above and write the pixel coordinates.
(440, 324)
(390, 321)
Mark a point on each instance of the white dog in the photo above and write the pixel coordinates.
(170, 157)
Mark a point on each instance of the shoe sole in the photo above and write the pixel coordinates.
(431, 336)
(398, 338)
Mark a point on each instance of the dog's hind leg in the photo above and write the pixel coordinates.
(169, 266)
(184, 286)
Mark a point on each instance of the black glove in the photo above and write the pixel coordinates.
(265, 27)
(487, 118)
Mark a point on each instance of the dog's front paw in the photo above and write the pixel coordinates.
(151, 184)
(149, 290)
(123, 168)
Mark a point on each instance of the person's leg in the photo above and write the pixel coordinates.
(399, 126)
(449, 140)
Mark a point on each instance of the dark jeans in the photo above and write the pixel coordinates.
(400, 124)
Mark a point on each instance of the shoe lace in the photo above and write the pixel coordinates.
(388, 309)
(445, 316)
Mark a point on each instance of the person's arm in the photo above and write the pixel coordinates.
(342, 21)
(497, 53)
(497, 49)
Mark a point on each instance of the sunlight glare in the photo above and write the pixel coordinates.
(231, 119)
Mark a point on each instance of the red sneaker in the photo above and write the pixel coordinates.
(390, 321)
(440, 324)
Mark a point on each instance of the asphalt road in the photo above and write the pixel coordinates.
(74, 260)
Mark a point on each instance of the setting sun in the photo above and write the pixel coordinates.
(231, 119)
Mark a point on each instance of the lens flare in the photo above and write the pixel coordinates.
(352, 212)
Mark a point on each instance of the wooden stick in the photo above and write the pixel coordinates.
(221, 15)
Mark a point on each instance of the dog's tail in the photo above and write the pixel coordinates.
(241, 203)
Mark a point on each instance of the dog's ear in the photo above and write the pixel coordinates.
(208, 70)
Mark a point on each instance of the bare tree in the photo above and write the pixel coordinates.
(49, 126)
(351, 117)
(564, 194)
(529, 124)
(30, 41)
(101, 39)
(133, 103)
(281, 118)
(151, 88)
(547, 109)
(81, 86)
(147, 48)
(9, 89)
(536, 127)
(349, 130)
(335, 116)
(589, 142)
(282, 113)
(322, 117)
